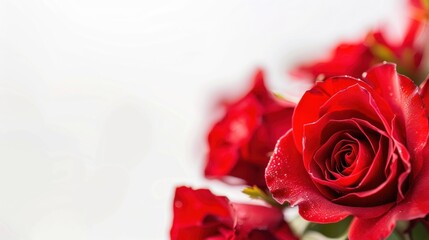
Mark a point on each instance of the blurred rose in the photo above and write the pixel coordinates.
(241, 143)
(354, 58)
(199, 214)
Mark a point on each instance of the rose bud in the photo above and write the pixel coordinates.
(359, 148)
(199, 214)
(241, 143)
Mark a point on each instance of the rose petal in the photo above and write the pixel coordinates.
(403, 96)
(350, 94)
(373, 228)
(346, 59)
(415, 205)
(221, 161)
(424, 93)
(288, 181)
(241, 143)
(192, 207)
(307, 109)
(384, 193)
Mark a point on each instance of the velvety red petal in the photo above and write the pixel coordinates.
(308, 108)
(273, 126)
(237, 126)
(251, 173)
(199, 233)
(264, 96)
(347, 59)
(416, 204)
(403, 96)
(362, 99)
(230, 135)
(221, 161)
(241, 143)
(373, 228)
(288, 181)
(254, 216)
(256, 222)
(424, 93)
(193, 207)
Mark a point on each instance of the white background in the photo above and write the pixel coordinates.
(104, 104)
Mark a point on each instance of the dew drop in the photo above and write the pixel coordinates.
(178, 204)
(320, 78)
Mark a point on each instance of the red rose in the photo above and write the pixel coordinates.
(356, 148)
(241, 143)
(346, 59)
(198, 214)
(353, 59)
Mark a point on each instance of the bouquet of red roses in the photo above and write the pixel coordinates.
(352, 155)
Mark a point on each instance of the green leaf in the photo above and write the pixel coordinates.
(419, 232)
(257, 193)
(394, 236)
(331, 230)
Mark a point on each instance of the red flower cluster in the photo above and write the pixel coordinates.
(355, 146)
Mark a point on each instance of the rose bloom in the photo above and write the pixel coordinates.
(199, 214)
(241, 143)
(356, 147)
(353, 58)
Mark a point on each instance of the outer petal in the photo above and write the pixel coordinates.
(313, 102)
(346, 59)
(240, 144)
(199, 213)
(288, 181)
(415, 205)
(404, 99)
(372, 229)
(308, 108)
(254, 222)
(424, 93)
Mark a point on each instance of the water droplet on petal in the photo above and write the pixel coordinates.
(178, 204)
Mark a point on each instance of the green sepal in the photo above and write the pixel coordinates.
(257, 193)
(383, 53)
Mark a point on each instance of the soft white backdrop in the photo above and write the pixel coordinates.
(104, 104)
